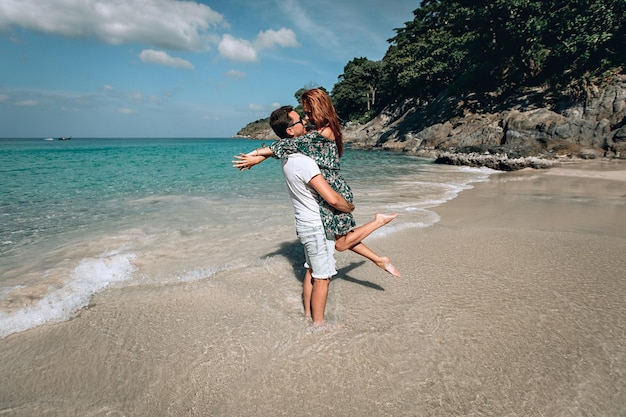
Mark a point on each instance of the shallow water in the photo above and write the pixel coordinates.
(83, 215)
(512, 307)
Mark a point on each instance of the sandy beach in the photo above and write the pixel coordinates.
(511, 305)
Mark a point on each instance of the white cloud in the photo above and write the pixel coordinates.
(237, 49)
(245, 51)
(136, 96)
(125, 110)
(236, 74)
(178, 25)
(164, 24)
(162, 58)
(27, 103)
(275, 105)
(107, 87)
(270, 38)
(4, 97)
(70, 109)
(256, 107)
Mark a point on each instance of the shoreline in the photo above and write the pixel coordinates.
(511, 304)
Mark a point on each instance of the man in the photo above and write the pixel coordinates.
(303, 178)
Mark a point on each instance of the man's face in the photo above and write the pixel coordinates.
(297, 125)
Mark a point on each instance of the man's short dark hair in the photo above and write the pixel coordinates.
(280, 121)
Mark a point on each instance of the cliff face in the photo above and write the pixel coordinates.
(529, 130)
(528, 126)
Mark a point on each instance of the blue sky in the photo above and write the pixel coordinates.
(170, 68)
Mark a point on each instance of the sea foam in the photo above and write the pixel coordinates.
(88, 278)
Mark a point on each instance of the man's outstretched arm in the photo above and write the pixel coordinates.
(250, 159)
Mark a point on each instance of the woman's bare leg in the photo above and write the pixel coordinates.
(356, 235)
(381, 261)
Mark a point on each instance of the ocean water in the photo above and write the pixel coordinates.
(80, 216)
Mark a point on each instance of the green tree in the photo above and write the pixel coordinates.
(430, 52)
(309, 86)
(356, 92)
(500, 44)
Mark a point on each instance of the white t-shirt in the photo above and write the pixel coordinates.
(299, 170)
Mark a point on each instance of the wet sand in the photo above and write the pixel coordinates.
(512, 305)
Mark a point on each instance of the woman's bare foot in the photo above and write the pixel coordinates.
(385, 264)
(385, 218)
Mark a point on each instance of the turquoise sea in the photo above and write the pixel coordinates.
(80, 216)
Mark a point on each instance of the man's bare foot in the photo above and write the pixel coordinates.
(323, 327)
(385, 218)
(385, 264)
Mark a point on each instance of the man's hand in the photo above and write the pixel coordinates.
(247, 161)
(331, 196)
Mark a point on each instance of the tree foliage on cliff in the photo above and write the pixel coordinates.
(355, 95)
(487, 45)
(251, 129)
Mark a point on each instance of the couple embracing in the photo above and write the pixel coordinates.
(321, 198)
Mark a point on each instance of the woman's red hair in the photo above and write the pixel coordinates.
(323, 113)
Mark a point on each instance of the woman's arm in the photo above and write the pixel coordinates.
(331, 196)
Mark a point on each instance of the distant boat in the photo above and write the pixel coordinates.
(64, 138)
(48, 139)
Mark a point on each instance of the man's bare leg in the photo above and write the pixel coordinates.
(307, 288)
(318, 299)
(356, 235)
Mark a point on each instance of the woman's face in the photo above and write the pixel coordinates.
(307, 114)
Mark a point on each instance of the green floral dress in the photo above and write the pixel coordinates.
(325, 153)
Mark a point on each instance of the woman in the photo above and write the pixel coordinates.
(325, 145)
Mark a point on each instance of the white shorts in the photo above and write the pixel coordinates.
(318, 250)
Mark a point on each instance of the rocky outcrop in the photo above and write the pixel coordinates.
(507, 135)
(501, 162)
(260, 134)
